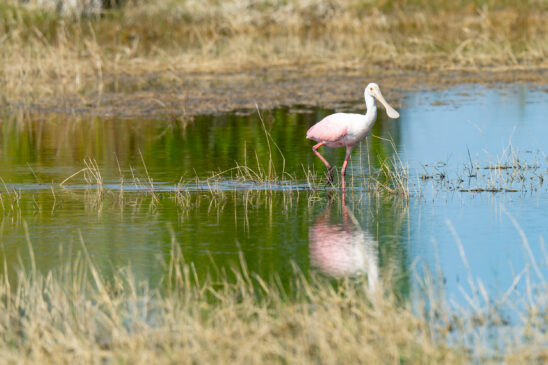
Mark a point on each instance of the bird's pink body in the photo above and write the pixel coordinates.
(340, 130)
(347, 130)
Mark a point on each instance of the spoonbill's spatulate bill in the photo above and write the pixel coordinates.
(347, 130)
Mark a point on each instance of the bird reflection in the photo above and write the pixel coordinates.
(343, 249)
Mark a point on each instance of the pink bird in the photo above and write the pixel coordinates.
(347, 130)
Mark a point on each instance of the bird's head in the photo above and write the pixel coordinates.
(374, 90)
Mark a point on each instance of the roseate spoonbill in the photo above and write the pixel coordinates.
(347, 130)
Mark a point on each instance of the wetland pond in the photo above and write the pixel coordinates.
(472, 158)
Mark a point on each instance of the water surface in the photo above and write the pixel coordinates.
(159, 182)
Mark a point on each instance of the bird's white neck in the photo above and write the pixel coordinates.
(371, 105)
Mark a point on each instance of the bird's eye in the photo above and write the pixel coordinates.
(371, 88)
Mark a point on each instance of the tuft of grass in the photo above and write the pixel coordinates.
(512, 171)
(393, 175)
(10, 202)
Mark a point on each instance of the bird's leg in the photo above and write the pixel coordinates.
(348, 152)
(329, 167)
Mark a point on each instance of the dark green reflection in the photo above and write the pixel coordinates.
(50, 150)
(120, 223)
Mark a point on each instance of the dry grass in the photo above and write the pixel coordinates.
(151, 45)
(75, 314)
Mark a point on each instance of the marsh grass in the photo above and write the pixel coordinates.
(511, 171)
(46, 55)
(75, 313)
(269, 174)
(10, 201)
(260, 175)
(392, 176)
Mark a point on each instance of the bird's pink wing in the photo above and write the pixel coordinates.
(330, 128)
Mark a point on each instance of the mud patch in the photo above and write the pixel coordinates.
(198, 94)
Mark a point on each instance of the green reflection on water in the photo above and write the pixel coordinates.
(55, 148)
(123, 223)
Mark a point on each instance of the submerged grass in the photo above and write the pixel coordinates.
(512, 171)
(258, 181)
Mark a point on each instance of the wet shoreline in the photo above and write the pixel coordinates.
(214, 94)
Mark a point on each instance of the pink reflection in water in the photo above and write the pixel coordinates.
(343, 249)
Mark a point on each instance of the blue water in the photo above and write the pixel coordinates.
(155, 188)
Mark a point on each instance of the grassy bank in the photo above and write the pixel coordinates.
(60, 318)
(154, 45)
(74, 314)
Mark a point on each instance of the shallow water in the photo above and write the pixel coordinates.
(160, 182)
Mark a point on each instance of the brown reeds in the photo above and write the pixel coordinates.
(76, 314)
(151, 45)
